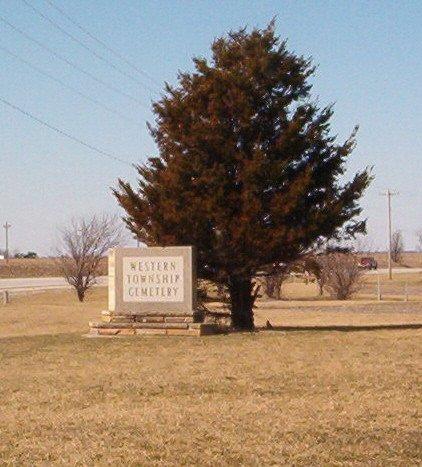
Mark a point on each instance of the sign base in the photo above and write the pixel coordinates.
(129, 324)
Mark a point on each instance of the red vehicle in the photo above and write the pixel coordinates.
(368, 263)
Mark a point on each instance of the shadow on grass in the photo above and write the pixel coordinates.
(341, 327)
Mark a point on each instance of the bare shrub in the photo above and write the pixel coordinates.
(313, 266)
(272, 285)
(397, 246)
(341, 274)
(83, 244)
(273, 280)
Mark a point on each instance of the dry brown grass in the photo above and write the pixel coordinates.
(58, 311)
(410, 277)
(303, 398)
(52, 312)
(411, 259)
(37, 267)
(358, 314)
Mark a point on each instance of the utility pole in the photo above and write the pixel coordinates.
(389, 194)
(6, 228)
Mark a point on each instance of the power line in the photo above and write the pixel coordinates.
(77, 67)
(99, 41)
(83, 45)
(64, 133)
(71, 88)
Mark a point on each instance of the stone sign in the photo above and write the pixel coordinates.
(152, 291)
(154, 279)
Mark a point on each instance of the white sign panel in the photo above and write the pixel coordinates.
(153, 279)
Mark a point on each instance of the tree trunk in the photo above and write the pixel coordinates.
(241, 301)
(81, 294)
(320, 287)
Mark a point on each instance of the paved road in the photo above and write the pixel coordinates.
(30, 283)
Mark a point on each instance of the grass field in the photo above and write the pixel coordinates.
(302, 398)
(37, 267)
(410, 259)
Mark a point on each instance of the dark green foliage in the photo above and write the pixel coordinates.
(247, 169)
(29, 255)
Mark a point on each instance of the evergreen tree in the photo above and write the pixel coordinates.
(247, 170)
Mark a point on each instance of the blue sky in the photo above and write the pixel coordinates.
(369, 64)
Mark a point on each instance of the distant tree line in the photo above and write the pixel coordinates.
(17, 254)
(28, 255)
